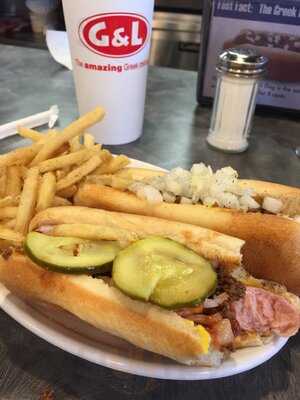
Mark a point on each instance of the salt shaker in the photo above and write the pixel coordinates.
(239, 72)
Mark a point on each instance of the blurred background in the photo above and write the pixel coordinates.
(175, 39)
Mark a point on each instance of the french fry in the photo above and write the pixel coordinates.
(65, 161)
(34, 135)
(75, 144)
(76, 128)
(9, 201)
(93, 232)
(113, 181)
(10, 223)
(105, 155)
(60, 202)
(67, 192)
(27, 200)
(61, 173)
(46, 191)
(77, 174)
(21, 156)
(14, 181)
(24, 171)
(10, 235)
(30, 134)
(52, 133)
(112, 166)
(97, 148)
(88, 140)
(62, 151)
(8, 212)
(3, 181)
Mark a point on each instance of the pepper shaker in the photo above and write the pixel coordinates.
(239, 72)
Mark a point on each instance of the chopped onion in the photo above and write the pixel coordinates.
(185, 200)
(216, 301)
(169, 197)
(222, 333)
(199, 185)
(272, 205)
(249, 203)
(149, 193)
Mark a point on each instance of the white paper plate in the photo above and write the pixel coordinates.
(77, 337)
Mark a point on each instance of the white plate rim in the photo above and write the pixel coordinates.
(89, 350)
(86, 349)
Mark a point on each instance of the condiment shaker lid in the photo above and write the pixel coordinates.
(244, 62)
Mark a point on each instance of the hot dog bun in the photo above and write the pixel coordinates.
(92, 300)
(290, 196)
(214, 246)
(105, 307)
(272, 249)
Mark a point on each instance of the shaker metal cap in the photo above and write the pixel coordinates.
(245, 62)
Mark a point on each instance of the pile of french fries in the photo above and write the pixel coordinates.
(48, 172)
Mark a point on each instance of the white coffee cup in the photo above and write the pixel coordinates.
(110, 42)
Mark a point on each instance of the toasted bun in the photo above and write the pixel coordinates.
(213, 246)
(290, 196)
(105, 307)
(272, 249)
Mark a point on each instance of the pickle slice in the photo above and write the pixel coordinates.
(70, 255)
(163, 272)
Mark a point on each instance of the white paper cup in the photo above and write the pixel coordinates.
(110, 42)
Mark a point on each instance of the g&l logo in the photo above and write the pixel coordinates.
(115, 35)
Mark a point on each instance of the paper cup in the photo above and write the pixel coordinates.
(110, 42)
